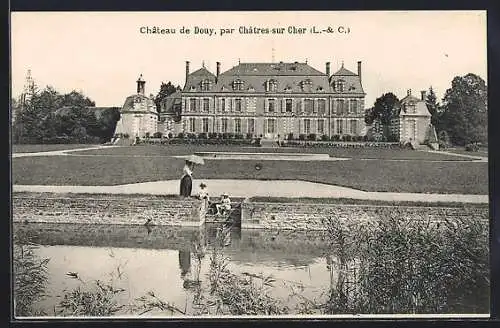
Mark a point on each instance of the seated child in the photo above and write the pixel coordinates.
(203, 194)
(225, 204)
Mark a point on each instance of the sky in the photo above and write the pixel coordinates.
(102, 53)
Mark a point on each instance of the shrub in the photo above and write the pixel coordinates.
(157, 135)
(311, 137)
(238, 136)
(443, 139)
(290, 136)
(249, 136)
(324, 137)
(30, 278)
(180, 135)
(147, 135)
(347, 137)
(191, 136)
(302, 136)
(170, 135)
(202, 135)
(212, 135)
(472, 147)
(336, 137)
(126, 136)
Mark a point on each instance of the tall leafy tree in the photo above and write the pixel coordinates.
(465, 116)
(166, 89)
(385, 108)
(433, 106)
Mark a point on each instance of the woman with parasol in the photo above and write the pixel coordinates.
(187, 172)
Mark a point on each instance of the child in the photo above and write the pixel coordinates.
(203, 194)
(225, 204)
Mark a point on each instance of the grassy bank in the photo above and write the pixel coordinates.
(356, 153)
(48, 147)
(392, 176)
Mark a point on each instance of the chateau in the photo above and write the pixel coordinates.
(271, 100)
(267, 100)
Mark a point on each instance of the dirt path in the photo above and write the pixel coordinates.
(251, 188)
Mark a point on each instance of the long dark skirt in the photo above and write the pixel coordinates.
(186, 186)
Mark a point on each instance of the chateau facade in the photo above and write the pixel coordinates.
(268, 100)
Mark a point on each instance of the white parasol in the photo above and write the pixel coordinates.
(195, 159)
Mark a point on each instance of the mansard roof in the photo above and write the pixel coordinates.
(344, 72)
(420, 106)
(195, 79)
(289, 77)
(274, 69)
(130, 100)
(351, 80)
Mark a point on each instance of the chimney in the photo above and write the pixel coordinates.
(359, 70)
(328, 69)
(218, 71)
(187, 69)
(140, 85)
(423, 94)
(408, 92)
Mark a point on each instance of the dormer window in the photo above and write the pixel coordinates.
(306, 85)
(206, 85)
(352, 87)
(339, 86)
(193, 88)
(288, 88)
(238, 85)
(251, 88)
(319, 88)
(271, 86)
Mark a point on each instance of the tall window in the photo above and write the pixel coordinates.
(251, 126)
(223, 104)
(321, 127)
(271, 125)
(340, 106)
(354, 127)
(307, 126)
(271, 105)
(192, 104)
(237, 105)
(271, 86)
(206, 104)
(308, 106)
(205, 85)
(353, 107)
(321, 106)
(340, 86)
(205, 124)
(230, 104)
(288, 105)
(339, 127)
(224, 125)
(192, 124)
(237, 125)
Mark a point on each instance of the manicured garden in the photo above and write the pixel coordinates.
(355, 153)
(370, 175)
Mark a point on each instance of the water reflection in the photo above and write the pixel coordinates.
(323, 271)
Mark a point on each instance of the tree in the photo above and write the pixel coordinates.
(166, 90)
(465, 116)
(369, 116)
(433, 106)
(385, 108)
(75, 98)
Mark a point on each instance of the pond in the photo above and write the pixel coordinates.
(168, 261)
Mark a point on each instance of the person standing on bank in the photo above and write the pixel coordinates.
(187, 179)
(187, 172)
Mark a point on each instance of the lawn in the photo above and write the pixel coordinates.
(357, 153)
(376, 175)
(482, 152)
(41, 148)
